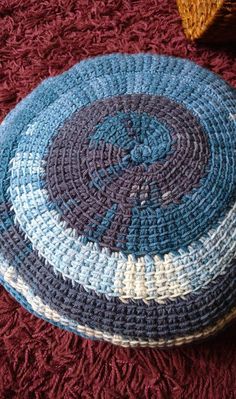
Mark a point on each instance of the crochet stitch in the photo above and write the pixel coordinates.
(117, 200)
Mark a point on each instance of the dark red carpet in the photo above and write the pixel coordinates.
(39, 38)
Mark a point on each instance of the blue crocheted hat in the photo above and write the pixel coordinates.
(117, 200)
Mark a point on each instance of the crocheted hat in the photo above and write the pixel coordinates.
(117, 190)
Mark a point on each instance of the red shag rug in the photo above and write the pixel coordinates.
(39, 38)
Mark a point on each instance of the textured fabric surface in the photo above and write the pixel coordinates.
(117, 200)
(163, 383)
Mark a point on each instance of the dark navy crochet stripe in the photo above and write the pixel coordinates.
(23, 302)
(131, 319)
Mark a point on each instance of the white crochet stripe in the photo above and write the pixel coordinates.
(15, 281)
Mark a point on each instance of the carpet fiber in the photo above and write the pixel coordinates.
(37, 361)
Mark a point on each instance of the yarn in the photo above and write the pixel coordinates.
(117, 200)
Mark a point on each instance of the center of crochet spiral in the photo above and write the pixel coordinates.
(142, 153)
(147, 154)
(144, 139)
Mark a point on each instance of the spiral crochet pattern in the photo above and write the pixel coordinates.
(117, 200)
